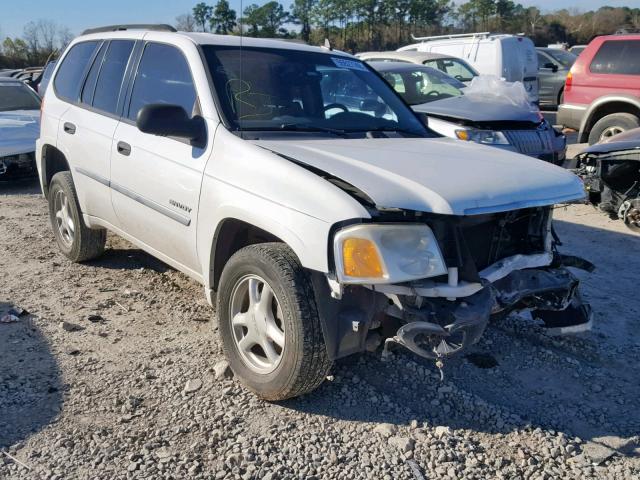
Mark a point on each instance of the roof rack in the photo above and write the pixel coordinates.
(156, 27)
(456, 35)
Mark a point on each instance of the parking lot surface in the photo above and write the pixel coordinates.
(111, 375)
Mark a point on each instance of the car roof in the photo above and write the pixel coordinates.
(382, 66)
(410, 56)
(201, 38)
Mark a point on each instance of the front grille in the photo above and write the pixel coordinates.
(530, 142)
(475, 242)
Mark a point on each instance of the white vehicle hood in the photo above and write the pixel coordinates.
(437, 175)
(19, 130)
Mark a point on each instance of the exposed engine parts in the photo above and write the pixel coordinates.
(611, 175)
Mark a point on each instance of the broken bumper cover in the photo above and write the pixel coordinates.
(437, 328)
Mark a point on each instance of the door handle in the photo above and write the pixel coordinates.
(124, 148)
(69, 128)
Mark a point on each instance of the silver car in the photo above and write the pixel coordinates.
(19, 128)
(487, 119)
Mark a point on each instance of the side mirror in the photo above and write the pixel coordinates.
(170, 121)
(551, 66)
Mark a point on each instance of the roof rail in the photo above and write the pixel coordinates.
(456, 35)
(157, 27)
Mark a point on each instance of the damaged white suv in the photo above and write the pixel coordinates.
(317, 224)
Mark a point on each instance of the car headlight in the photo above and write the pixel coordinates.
(485, 137)
(392, 253)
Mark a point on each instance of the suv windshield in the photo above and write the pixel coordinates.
(14, 96)
(293, 90)
(422, 84)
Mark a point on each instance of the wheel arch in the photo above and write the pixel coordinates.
(53, 161)
(607, 106)
(233, 234)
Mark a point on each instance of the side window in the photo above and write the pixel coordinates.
(71, 72)
(163, 77)
(617, 56)
(542, 60)
(109, 82)
(92, 77)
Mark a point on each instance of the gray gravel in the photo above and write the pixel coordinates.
(117, 373)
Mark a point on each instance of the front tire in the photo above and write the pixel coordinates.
(269, 323)
(612, 125)
(76, 241)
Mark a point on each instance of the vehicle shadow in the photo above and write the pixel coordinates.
(584, 385)
(119, 257)
(26, 186)
(31, 389)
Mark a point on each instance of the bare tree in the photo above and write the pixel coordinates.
(186, 23)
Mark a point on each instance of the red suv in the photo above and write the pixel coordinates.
(602, 90)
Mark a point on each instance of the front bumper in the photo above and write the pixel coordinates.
(17, 166)
(438, 328)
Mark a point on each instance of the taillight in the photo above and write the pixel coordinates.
(569, 81)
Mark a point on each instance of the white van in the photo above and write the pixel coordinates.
(511, 57)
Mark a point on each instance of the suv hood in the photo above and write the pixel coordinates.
(438, 175)
(478, 109)
(19, 130)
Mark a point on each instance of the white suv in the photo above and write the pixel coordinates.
(317, 223)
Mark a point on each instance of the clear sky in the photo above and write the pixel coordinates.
(78, 15)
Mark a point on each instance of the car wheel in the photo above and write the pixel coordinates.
(612, 125)
(75, 240)
(269, 323)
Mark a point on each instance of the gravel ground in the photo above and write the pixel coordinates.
(115, 373)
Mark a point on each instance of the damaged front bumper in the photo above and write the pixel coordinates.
(441, 320)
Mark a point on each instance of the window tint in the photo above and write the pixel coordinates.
(542, 60)
(92, 77)
(111, 74)
(617, 56)
(71, 73)
(163, 77)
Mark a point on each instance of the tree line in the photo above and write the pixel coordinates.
(355, 25)
(358, 25)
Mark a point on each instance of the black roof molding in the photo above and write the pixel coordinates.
(157, 27)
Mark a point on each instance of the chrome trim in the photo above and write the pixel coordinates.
(186, 221)
(93, 176)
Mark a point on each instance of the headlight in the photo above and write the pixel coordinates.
(486, 137)
(387, 254)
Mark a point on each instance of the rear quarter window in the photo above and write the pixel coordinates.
(68, 79)
(620, 57)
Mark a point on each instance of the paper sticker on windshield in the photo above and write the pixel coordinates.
(350, 64)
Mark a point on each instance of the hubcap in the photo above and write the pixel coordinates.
(257, 324)
(610, 132)
(64, 219)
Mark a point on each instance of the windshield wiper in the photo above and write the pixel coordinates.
(312, 128)
(397, 130)
(296, 127)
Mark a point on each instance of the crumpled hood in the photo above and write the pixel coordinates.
(19, 130)
(437, 175)
(477, 108)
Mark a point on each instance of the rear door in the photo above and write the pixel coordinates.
(614, 69)
(155, 181)
(85, 136)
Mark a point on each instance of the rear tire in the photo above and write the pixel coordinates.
(612, 125)
(298, 366)
(76, 241)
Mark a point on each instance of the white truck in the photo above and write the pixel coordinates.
(510, 57)
(315, 226)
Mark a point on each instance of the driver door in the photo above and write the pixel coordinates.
(156, 180)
